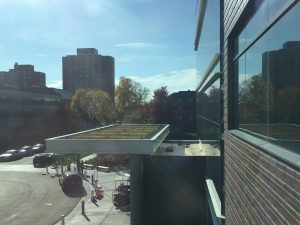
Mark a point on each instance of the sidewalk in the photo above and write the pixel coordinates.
(102, 211)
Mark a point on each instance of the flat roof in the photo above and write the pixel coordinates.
(189, 148)
(112, 139)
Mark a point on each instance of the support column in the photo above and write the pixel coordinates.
(136, 189)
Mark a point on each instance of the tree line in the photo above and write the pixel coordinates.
(131, 105)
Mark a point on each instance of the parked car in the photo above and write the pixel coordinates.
(169, 149)
(15, 154)
(6, 157)
(26, 151)
(39, 148)
(42, 160)
(70, 180)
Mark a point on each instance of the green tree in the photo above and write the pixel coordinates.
(131, 101)
(95, 105)
(256, 100)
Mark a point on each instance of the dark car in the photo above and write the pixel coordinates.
(39, 148)
(26, 151)
(42, 160)
(169, 149)
(15, 154)
(6, 157)
(70, 181)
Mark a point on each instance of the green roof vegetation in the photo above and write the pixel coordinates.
(121, 131)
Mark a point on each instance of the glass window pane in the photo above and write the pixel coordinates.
(269, 84)
(257, 22)
(209, 43)
(265, 11)
(283, 72)
(208, 113)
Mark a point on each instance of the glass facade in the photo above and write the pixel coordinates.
(208, 100)
(208, 113)
(269, 77)
(210, 38)
(208, 94)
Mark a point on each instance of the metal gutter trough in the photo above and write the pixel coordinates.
(142, 139)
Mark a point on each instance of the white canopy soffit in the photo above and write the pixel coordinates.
(114, 139)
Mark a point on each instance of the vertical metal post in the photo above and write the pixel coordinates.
(93, 195)
(62, 219)
(222, 125)
(95, 183)
(82, 208)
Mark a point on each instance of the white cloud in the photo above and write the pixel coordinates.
(135, 45)
(175, 81)
(56, 84)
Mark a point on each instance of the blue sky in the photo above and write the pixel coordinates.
(151, 40)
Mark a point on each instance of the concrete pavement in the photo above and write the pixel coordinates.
(102, 212)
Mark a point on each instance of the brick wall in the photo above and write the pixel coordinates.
(259, 189)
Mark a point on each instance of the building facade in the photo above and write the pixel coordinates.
(256, 70)
(184, 102)
(89, 70)
(22, 76)
(23, 112)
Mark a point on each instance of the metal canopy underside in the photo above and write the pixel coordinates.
(113, 139)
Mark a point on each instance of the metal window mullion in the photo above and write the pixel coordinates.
(210, 68)
(212, 80)
(201, 16)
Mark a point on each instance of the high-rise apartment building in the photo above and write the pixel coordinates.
(89, 70)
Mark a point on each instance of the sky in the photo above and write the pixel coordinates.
(151, 40)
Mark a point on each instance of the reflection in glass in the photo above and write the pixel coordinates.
(208, 113)
(269, 84)
(266, 10)
(209, 43)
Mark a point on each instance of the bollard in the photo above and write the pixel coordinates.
(82, 208)
(93, 195)
(95, 183)
(92, 179)
(62, 219)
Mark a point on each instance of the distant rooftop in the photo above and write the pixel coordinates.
(113, 139)
(87, 51)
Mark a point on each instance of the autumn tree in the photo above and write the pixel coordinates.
(162, 109)
(131, 101)
(95, 105)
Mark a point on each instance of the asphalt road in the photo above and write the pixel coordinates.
(27, 197)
